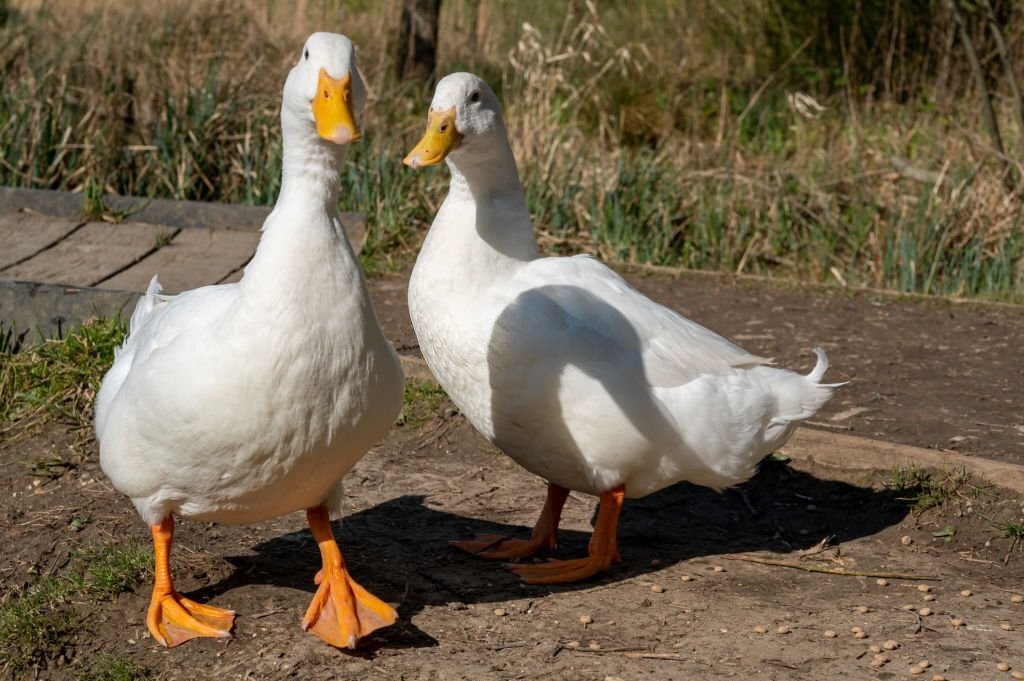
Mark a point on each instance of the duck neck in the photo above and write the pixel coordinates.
(310, 165)
(485, 176)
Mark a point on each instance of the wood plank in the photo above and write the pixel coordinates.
(94, 252)
(26, 234)
(193, 258)
(851, 452)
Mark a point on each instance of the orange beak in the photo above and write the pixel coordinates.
(332, 109)
(440, 138)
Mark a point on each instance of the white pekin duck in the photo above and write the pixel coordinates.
(561, 364)
(241, 402)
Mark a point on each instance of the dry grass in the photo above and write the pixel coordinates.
(650, 131)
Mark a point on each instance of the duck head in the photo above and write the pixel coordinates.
(464, 109)
(324, 89)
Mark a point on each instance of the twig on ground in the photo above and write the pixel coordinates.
(830, 571)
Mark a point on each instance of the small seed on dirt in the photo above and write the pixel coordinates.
(957, 622)
(916, 670)
(572, 644)
(880, 656)
(1006, 626)
(718, 568)
(500, 612)
(1003, 667)
(1016, 674)
(938, 677)
(594, 645)
(782, 629)
(658, 589)
(907, 540)
(924, 612)
(855, 629)
(759, 629)
(923, 588)
(860, 634)
(876, 650)
(586, 619)
(882, 582)
(966, 593)
(863, 609)
(876, 663)
(924, 664)
(928, 597)
(890, 645)
(830, 634)
(908, 607)
(686, 578)
(1017, 598)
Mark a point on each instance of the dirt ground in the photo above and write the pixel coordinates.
(679, 606)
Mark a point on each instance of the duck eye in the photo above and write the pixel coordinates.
(305, 55)
(475, 97)
(444, 127)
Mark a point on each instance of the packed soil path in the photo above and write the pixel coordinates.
(892, 570)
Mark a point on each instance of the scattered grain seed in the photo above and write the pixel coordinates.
(924, 612)
(500, 612)
(860, 634)
(923, 588)
(916, 670)
(928, 597)
(938, 677)
(957, 622)
(830, 634)
(876, 663)
(594, 645)
(877, 650)
(1003, 667)
(1016, 674)
(966, 593)
(718, 568)
(1017, 598)
(759, 629)
(586, 619)
(924, 664)
(882, 582)
(906, 540)
(855, 629)
(658, 589)
(783, 629)
(908, 607)
(880, 656)
(572, 644)
(1006, 626)
(890, 645)
(863, 609)
(686, 578)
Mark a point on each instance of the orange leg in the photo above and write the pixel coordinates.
(603, 550)
(543, 540)
(172, 618)
(342, 612)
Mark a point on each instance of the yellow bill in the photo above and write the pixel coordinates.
(440, 138)
(332, 109)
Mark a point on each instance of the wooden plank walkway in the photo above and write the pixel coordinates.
(57, 267)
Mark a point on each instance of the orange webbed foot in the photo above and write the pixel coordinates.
(342, 611)
(500, 547)
(174, 619)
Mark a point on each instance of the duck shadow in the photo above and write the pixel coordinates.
(398, 549)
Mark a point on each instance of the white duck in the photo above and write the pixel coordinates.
(566, 368)
(241, 402)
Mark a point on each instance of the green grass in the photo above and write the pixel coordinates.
(645, 133)
(38, 619)
(56, 379)
(422, 400)
(924, 489)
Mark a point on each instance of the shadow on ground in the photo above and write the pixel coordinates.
(398, 549)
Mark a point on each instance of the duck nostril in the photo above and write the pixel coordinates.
(326, 95)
